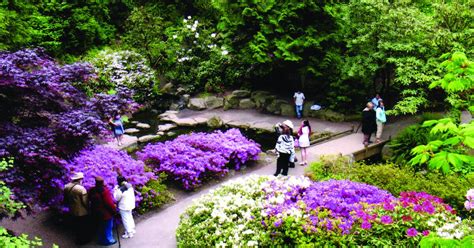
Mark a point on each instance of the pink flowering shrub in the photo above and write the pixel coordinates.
(193, 158)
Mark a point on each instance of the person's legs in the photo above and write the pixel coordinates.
(128, 222)
(108, 236)
(299, 109)
(304, 155)
(285, 163)
(366, 139)
(379, 131)
(279, 165)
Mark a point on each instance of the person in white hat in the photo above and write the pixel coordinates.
(75, 197)
(285, 147)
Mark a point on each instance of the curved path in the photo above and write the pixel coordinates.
(158, 229)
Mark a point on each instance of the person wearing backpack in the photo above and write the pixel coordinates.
(75, 198)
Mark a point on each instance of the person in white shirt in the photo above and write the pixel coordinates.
(299, 101)
(125, 197)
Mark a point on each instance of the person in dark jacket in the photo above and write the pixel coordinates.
(103, 210)
(285, 147)
(368, 122)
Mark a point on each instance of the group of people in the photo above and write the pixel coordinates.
(373, 119)
(286, 143)
(99, 206)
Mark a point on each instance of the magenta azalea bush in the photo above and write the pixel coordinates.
(192, 158)
(47, 119)
(294, 212)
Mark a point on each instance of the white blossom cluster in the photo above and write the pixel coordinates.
(124, 68)
(230, 215)
(192, 27)
(230, 211)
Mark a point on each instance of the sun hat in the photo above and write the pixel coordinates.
(77, 176)
(289, 124)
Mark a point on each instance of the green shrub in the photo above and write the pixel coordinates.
(9, 240)
(406, 140)
(433, 241)
(451, 188)
(154, 194)
(426, 116)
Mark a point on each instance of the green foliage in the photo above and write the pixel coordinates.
(449, 152)
(458, 82)
(61, 27)
(433, 241)
(22, 241)
(451, 188)
(406, 140)
(155, 194)
(8, 206)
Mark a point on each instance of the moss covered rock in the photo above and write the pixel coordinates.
(246, 103)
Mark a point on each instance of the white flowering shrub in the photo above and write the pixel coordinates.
(198, 57)
(124, 68)
(231, 215)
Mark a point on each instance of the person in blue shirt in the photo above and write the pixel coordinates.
(117, 127)
(380, 119)
(375, 101)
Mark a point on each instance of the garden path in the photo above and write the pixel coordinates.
(159, 230)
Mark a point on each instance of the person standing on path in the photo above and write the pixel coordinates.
(125, 197)
(380, 120)
(299, 101)
(103, 209)
(368, 122)
(117, 128)
(303, 139)
(75, 197)
(285, 147)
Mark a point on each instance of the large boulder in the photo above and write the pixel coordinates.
(246, 103)
(213, 102)
(167, 88)
(274, 107)
(287, 110)
(215, 122)
(143, 125)
(197, 104)
(262, 99)
(166, 127)
(231, 102)
(241, 93)
(148, 138)
(131, 130)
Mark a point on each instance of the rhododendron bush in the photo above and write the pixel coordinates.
(293, 211)
(192, 158)
(45, 119)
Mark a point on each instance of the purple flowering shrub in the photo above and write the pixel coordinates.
(192, 158)
(46, 119)
(294, 211)
(109, 163)
(343, 211)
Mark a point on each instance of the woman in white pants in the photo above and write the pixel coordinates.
(125, 197)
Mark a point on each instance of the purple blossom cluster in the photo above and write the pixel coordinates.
(108, 163)
(189, 159)
(47, 119)
(329, 205)
(348, 208)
